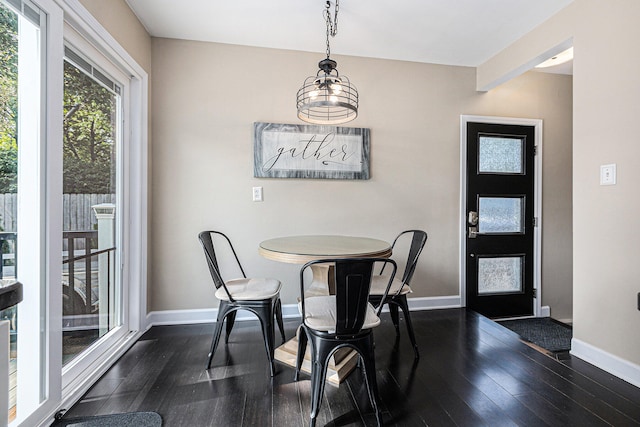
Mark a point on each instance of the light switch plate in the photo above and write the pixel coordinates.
(608, 174)
(257, 194)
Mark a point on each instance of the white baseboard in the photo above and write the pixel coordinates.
(621, 368)
(206, 315)
(289, 311)
(545, 311)
(434, 303)
(181, 317)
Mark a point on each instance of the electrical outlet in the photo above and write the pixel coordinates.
(257, 194)
(608, 174)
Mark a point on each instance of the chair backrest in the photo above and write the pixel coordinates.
(418, 240)
(353, 282)
(207, 241)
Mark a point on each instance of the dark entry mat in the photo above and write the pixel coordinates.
(544, 332)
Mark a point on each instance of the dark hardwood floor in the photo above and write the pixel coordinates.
(472, 372)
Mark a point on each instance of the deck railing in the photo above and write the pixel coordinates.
(81, 260)
(81, 268)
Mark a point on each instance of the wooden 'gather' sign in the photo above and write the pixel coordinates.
(303, 151)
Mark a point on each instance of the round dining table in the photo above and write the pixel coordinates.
(302, 249)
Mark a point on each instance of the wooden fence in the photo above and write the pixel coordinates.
(77, 213)
(8, 210)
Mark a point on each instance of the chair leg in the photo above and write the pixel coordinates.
(365, 348)
(222, 312)
(402, 301)
(393, 310)
(320, 361)
(265, 314)
(279, 318)
(231, 318)
(302, 348)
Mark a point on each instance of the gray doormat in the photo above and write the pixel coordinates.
(130, 419)
(544, 332)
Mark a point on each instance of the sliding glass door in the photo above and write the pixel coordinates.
(22, 191)
(95, 135)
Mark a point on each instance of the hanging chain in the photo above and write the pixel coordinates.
(332, 24)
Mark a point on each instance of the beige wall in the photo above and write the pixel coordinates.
(206, 97)
(606, 108)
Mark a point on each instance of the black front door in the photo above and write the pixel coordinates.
(500, 219)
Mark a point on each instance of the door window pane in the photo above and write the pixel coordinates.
(500, 155)
(91, 131)
(500, 215)
(500, 275)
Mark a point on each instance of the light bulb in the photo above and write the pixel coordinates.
(313, 94)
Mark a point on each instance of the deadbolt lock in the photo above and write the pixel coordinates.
(473, 218)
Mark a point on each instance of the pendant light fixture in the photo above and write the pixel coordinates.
(328, 98)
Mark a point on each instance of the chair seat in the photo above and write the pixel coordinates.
(321, 314)
(379, 285)
(249, 289)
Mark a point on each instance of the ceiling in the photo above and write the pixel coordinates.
(450, 32)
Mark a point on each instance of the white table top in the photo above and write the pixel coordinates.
(302, 249)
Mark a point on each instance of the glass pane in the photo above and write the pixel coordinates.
(499, 155)
(500, 215)
(20, 104)
(89, 187)
(499, 275)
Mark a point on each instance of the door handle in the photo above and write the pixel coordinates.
(472, 219)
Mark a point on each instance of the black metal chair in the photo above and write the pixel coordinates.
(345, 319)
(260, 296)
(397, 295)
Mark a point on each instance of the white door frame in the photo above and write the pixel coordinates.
(538, 310)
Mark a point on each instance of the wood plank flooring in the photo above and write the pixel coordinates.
(472, 372)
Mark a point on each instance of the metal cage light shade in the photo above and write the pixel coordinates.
(327, 98)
